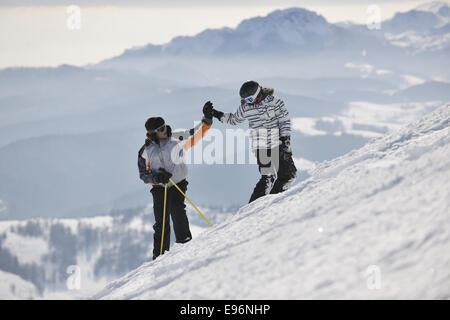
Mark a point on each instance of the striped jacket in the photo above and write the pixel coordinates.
(268, 120)
(169, 154)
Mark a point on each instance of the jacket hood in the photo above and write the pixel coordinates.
(264, 92)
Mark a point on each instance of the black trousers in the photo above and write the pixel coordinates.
(175, 208)
(277, 170)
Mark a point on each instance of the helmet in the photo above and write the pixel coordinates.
(154, 123)
(248, 88)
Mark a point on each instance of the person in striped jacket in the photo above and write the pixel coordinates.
(270, 131)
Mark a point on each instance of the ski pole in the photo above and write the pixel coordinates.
(164, 218)
(189, 201)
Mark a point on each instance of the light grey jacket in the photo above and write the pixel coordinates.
(169, 154)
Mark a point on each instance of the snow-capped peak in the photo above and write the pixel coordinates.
(290, 25)
(294, 27)
(437, 7)
(297, 18)
(422, 19)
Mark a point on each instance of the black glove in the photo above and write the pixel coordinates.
(217, 114)
(286, 144)
(162, 176)
(208, 110)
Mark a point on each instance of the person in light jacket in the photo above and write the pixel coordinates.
(161, 158)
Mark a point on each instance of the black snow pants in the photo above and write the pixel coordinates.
(277, 170)
(176, 209)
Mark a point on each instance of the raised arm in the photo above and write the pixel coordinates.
(185, 134)
(193, 135)
(234, 118)
(230, 118)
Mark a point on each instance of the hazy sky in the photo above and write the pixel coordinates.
(38, 33)
(191, 3)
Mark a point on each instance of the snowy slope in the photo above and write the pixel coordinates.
(373, 223)
(13, 287)
(45, 253)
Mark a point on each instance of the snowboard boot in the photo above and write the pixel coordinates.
(263, 187)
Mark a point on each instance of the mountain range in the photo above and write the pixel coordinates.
(70, 193)
(74, 127)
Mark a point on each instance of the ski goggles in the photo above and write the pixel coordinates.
(159, 129)
(252, 98)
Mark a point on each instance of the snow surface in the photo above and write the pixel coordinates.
(27, 249)
(373, 224)
(366, 119)
(13, 287)
(303, 164)
(306, 126)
